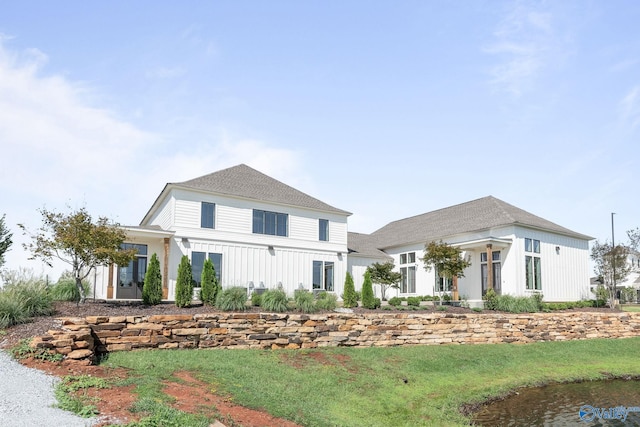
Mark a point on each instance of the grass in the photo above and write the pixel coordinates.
(631, 308)
(71, 394)
(401, 386)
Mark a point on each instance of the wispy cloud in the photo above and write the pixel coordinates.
(60, 149)
(522, 42)
(630, 108)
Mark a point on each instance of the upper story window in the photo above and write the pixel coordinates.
(272, 223)
(323, 231)
(207, 215)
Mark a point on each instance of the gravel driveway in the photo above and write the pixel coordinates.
(26, 398)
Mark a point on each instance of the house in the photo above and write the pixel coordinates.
(510, 250)
(262, 233)
(258, 231)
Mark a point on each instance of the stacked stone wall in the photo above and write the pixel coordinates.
(83, 338)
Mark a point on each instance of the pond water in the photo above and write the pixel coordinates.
(593, 403)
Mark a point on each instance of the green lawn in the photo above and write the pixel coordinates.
(401, 386)
(631, 308)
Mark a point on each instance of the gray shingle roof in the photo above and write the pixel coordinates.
(481, 214)
(243, 181)
(364, 245)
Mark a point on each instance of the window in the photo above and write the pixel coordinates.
(531, 245)
(272, 223)
(197, 264)
(323, 232)
(408, 272)
(496, 265)
(133, 274)
(533, 274)
(207, 215)
(323, 275)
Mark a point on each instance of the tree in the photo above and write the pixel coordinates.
(368, 299)
(445, 259)
(349, 297)
(634, 239)
(76, 240)
(382, 274)
(184, 284)
(610, 265)
(152, 288)
(210, 285)
(5, 240)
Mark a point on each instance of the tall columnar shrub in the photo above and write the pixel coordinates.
(368, 300)
(210, 285)
(349, 297)
(184, 284)
(152, 288)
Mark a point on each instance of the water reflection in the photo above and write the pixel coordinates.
(559, 405)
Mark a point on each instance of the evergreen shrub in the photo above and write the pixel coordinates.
(349, 297)
(184, 284)
(152, 287)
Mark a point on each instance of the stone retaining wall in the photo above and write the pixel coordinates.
(82, 338)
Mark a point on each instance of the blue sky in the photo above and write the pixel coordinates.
(384, 109)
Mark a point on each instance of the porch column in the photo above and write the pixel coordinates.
(454, 286)
(489, 267)
(110, 282)
(165, 270)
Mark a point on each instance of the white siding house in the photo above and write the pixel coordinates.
(258, 232)
(262, 233)
(528, 254)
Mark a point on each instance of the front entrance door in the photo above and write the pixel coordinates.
(131, 276)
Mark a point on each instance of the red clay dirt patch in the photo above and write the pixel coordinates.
(191, 395)
(194, 396)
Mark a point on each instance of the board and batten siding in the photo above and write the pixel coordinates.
(565, 272)
(243, 263)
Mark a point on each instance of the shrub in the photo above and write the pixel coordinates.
(326, 301)
(304, 301)
(209, 283)
(349, 297)
(232, 299)
(377, 303)
(274, 300)
(446, 298)
(184, 283)
(442, 308)
(513, 304)
(368, 300)
(256, 299)
(537, 300)
(490, 299)
(152, 288)
(66, 290)
(11, 312)
(414, 301)
(395, 301)
(427, 298)
(477, 309)
(33, 296)
(359, 295)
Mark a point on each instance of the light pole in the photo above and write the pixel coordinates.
(613, 254)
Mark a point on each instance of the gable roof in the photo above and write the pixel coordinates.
(245, 182)
(363, 245)
(481, 214)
